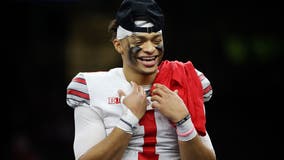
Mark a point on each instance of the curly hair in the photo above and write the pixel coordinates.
(112, 29)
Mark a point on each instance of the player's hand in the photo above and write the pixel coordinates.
(136, 101)
(168, 103)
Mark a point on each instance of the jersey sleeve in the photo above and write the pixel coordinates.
(87, 122)
(206, 86)
(77, 92)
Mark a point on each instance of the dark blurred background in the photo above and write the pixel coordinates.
(238, 45)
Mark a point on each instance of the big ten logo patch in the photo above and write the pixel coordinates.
(113, 100)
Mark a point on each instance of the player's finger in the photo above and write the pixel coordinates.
(159, 91)
(162, 87)
(134, 86)
(156, 98)
(156, 104)
(121, 93)
(176, 91)
(141, 90)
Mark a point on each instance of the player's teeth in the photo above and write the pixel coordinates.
(148, 59)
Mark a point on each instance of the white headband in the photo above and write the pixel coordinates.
(122, 33)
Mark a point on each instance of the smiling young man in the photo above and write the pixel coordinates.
(149, 109)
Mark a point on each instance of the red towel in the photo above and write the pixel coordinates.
(183, 77)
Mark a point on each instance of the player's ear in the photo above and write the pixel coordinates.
(117, 45)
